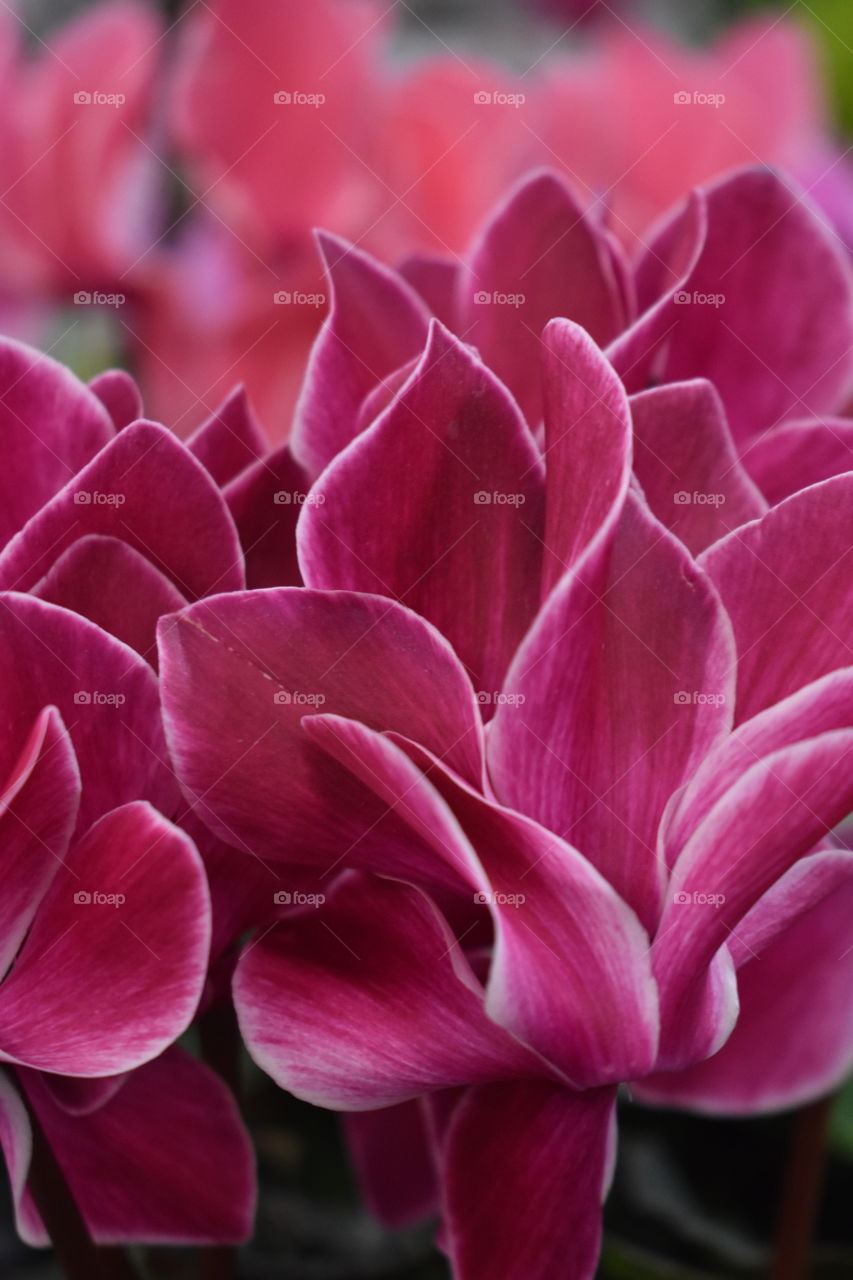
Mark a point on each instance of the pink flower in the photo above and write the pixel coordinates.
(107, 933)
(605, 882)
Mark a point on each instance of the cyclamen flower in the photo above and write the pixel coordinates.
(603, 884)
(107, 910)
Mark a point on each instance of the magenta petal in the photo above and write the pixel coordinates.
(540, 256)
(454, 442)
(587, 445)
(50, 424)
(799, 454)
(785, 582)
(530, 1143)
(241, 671)
(392, 1154)
(686, 463)
(38, 812)
(230, 440)
(799, 983)
(140, 1166)
(103, 985)
(119, 395)
(105, 693)
(779, 343)
(265, 501)
(80, 1095)
(376, 323)
(640, 664)
(91, 578)
(570, 975)
(774, 814)
(146, 489)
(368, 1001)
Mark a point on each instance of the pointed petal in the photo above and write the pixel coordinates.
(102, 986)
(784, 581)
(539, 256)
(640, 664)
(230, 440)
(452, 443)
(368, 1001)
(587, 445)
(91, 578)
(375, 324)
(685, 461)
(50, 424)
(132, 491)
(530, 1143)
(780, 341)
(139, 1166)
(434, 279)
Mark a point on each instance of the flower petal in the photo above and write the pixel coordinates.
(587, 445)
(784, 581)
(131, 491)
(539, 256)
(230, 440)
(640, 663)
(38, 812)
(139, 1167)
(391, 1151)
(452, 441)
(376, 323)
(50, 424)
(105, 693)
(265, 501)
(104, 985)
(120, 396)
(798, 454)
(530, 1143)
(686, 463)
(239, 673)
(368, 1001)
(91, 578)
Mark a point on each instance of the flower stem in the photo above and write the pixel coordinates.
(802, 1192)
(79, 1256)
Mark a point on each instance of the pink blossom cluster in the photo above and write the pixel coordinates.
(488, 741)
